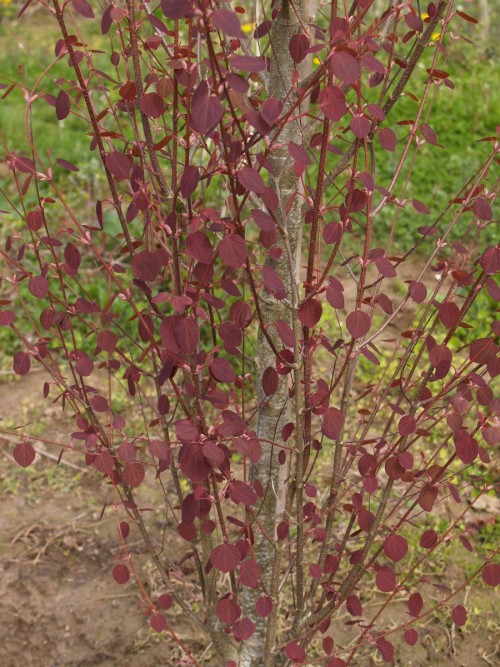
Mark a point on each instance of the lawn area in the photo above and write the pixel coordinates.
(153, 337)
(460, 117)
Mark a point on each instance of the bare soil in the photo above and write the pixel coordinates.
(60, 607)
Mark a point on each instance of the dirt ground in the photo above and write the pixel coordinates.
(60, 607)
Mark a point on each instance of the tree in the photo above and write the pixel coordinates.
(247, 252)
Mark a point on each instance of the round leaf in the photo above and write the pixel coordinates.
(345, 67)
(385, 580)
(152, 105)
(459, 615)
(411, 637)
(395, 547)
(358, 323)
(233, 251)
(491, 574)
(222, 371)
(264, 606)
(24, 454)
(121, 574)
(310, 312)
(158, 622)
(133, 474)
(243, 629)
(227, 610)
(225, 557)
(295, 652)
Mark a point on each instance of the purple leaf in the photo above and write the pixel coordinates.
(243, 629)
(34, 220)
(388, 139)
(360, 125)
(395, 547)
(158, 622)
(309, 313)
(225, 557)
(333, 421)
(273, 283)
(358, 323)
(482, 208)
(222, 371)
(298, 153)
(39, 286)
(133, 474)
(345, 67)
(152, 105)
(206, 110)
(263, 220)
(249, 64)
(385, 579)
(146, 265)
(121, 574)
(271, 110)
(490, 260)
(285, 332)
(414, 22)
(491, 574)
(466, 446)
(250, 179)
(417, 291)
(119, 165)
(63, 105)
(250, 573)
(177, 9)
(24, 454)
(264, 606)
(21, 363)
(66, 165)
(428, 539)
(83, 8)
(270, 381)
(449, 314)
(227, 22)
(189, 181)
(198, 246)
(428, 133)
(415, 604)
(193, 463)
(233, 251)
(7, 317)
(227, 610)
(332, 103)
(459, 615)
(298, 47)
(295, 652)
(407, 425)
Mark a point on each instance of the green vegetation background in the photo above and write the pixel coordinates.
(460, 117)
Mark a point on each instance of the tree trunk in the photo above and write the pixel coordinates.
(275, 411)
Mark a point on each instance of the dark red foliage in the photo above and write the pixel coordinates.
(228, 610)
(274, 367)
(225, 557)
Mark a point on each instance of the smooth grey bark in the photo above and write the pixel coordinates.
(275, 411)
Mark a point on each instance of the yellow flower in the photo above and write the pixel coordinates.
(316, 60)
(424, 16)
(246, 27)
(435, 36)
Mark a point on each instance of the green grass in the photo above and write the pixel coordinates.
(460, 118)
(26, 50)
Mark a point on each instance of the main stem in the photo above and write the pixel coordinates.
(275, 411)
